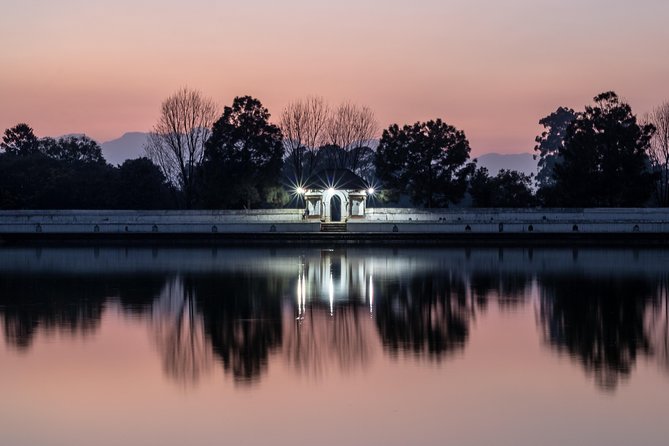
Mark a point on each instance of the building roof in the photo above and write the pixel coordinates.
(336, 178)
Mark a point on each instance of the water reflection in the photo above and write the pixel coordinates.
(239, 311)
(68, 305)
(599, 321)
(424, 315)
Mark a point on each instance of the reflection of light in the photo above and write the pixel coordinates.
(300, 296)
(371, 295)
(331, 292)
(304, 295)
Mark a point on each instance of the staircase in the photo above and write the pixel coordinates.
(333, 227)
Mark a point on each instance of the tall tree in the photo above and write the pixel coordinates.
(429, 161)
(243, 157)
(20, 140)
(303, 123)
(604, 158)
(659, 151)
(177, 141)
(550, 142)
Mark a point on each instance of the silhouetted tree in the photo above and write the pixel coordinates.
(177, 141)
(427, 160)
(303, 124)
(20, 140)
(550, 143)
(73, 148)
(659, 151)
(140, 184)
(508, 189)
(604, 158)
(243, 157)
(42, 182)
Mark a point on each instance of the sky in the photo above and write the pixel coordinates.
(491, 68)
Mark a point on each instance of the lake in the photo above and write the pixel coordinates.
(355, 346)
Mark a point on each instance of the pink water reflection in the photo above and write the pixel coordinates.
(159, 375)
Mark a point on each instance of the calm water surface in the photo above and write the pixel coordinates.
(134, 346)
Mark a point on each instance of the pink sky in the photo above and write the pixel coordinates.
(490, 68)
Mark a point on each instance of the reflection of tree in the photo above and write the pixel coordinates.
(318, 339)
(598, 321)
(510, 290)
(426, 315)
(657, 322)
(179, 333)
(136, 294)
(67, 304)
(241, 315)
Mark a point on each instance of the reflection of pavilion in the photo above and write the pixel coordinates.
(333, 279)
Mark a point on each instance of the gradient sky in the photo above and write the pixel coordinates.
(491, 68)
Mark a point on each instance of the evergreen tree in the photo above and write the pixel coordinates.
(429, 161)
(243, 157)
(604, 158)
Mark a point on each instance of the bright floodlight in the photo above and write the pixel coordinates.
(300, 190)
(370, 191)
(331, 190)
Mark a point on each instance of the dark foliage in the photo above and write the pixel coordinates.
(508, 188)
(427, 160)
(142, 185)
(243, 157)
(551, 142)
(71, 173)
(20, 140)
(604, 160)
(72, 149)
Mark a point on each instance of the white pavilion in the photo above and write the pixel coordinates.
(335, 195)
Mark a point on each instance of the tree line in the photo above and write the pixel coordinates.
(196, 157)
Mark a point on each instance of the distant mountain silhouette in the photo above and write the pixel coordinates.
(129, 146)
(522, 162)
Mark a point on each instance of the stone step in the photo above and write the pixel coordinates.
(333, 227)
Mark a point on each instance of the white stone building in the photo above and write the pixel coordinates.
(335, 195)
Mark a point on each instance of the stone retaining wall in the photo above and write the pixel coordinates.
(378, 221)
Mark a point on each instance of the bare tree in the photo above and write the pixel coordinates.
(659, 150)
(303, 123)
(351, 128)
(176, 143)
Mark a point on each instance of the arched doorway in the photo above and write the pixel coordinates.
(335, 208)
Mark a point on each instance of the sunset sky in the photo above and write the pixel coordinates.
(491, 68)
